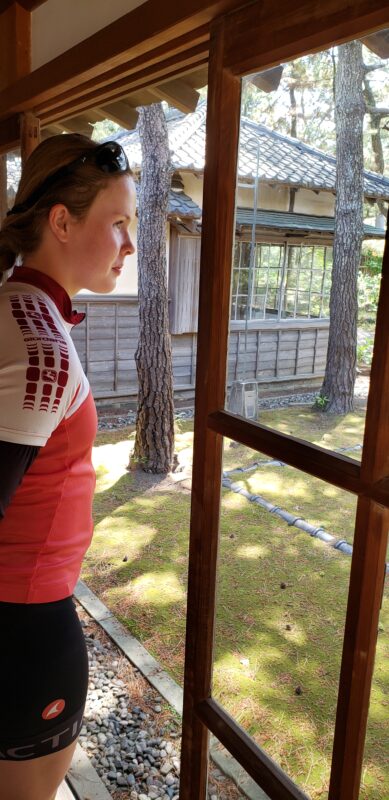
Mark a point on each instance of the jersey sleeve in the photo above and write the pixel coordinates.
(39, 378)
(15, 460)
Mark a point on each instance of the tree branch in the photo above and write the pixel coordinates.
(378, 112)
(371, 67)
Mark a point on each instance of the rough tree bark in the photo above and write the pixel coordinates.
(154, 443)
(339, 379)
(376, 117)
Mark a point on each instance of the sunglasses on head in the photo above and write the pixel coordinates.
(109, 157)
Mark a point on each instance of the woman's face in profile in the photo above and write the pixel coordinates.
(101, 241)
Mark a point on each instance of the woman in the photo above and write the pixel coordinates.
(68, 230)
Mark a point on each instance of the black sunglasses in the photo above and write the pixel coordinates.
(109, 157)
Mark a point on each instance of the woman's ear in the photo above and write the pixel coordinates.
(59, 222)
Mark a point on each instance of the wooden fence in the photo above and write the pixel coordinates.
(270, 353)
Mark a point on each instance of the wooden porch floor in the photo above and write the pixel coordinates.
(65, 793)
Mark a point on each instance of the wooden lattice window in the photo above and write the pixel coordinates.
(280, 281)
(255, 37)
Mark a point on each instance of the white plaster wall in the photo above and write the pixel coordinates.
(308, 202)
(193, 186)
(275, 198)
(57, 25)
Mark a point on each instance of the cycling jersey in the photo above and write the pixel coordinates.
(45, 401)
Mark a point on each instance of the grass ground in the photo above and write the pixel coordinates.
(281, 594)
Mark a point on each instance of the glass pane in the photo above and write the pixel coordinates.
(375, 772)
(282, 595)
(287, 146)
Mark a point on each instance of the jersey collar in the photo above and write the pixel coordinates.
(48, 285)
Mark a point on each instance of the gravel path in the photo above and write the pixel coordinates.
(130, 734)
(109, 420)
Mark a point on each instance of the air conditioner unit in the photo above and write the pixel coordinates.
(244, 399)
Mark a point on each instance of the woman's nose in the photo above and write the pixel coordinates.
(128, 246)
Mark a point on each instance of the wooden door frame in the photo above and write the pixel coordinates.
(258, 36)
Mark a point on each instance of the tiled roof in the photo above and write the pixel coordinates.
(181, 205)
(281, 159)
(288, 220)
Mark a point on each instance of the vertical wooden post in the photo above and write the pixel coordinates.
(215, 274)
(3, 187)
(367, 573)
(30, 134)
(15, 50)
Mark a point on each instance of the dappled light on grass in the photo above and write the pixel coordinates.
(280, 620)
(329, 431)
(252, 551)
(157, 588)
(110, 462)
(280, 605)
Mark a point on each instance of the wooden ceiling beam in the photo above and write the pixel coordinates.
(10, 133)
(152, 25)
(78, 124)
(156, 57)
(118, 89)
(122, 113)
(15, 51)
(178, 94)
(299, 27)
(28, 5)
(119, 92)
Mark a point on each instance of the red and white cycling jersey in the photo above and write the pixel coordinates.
(45, 400)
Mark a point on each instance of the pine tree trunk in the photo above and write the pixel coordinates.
(154, 443)
(339, 380)
(376, 141)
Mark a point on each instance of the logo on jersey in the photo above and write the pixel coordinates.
(54, 709)
(48, 356)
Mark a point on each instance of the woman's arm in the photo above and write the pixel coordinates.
(15, 460)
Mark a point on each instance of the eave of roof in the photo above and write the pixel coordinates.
(282, 160)
(290, 221)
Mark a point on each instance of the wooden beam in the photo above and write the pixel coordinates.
(133, 66)
(150, 26)
(30, 135)
(27, 5)
(78, 124)
(219, 181)
(15, 50)
(367, 571)
(10, 133)
(266, 772)
(178, 94)
(3, 186)
(297, 28)
(120, 92)
(122, 113)
(93, 97)
(378, 43)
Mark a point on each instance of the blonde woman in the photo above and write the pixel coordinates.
(68, 230)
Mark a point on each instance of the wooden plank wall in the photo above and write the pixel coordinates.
(106, 342)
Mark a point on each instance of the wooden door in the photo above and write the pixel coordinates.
(260, 35)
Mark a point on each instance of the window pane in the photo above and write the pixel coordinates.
(243, 281)
(281, 604)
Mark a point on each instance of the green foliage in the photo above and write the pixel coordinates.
(321, 402)
(105, 128)
(371, 259)
(310, 81)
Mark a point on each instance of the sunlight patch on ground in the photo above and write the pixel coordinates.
(157, 588)
(110, 462)
(252, 551)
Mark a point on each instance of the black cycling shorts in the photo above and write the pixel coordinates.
(43, 678)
